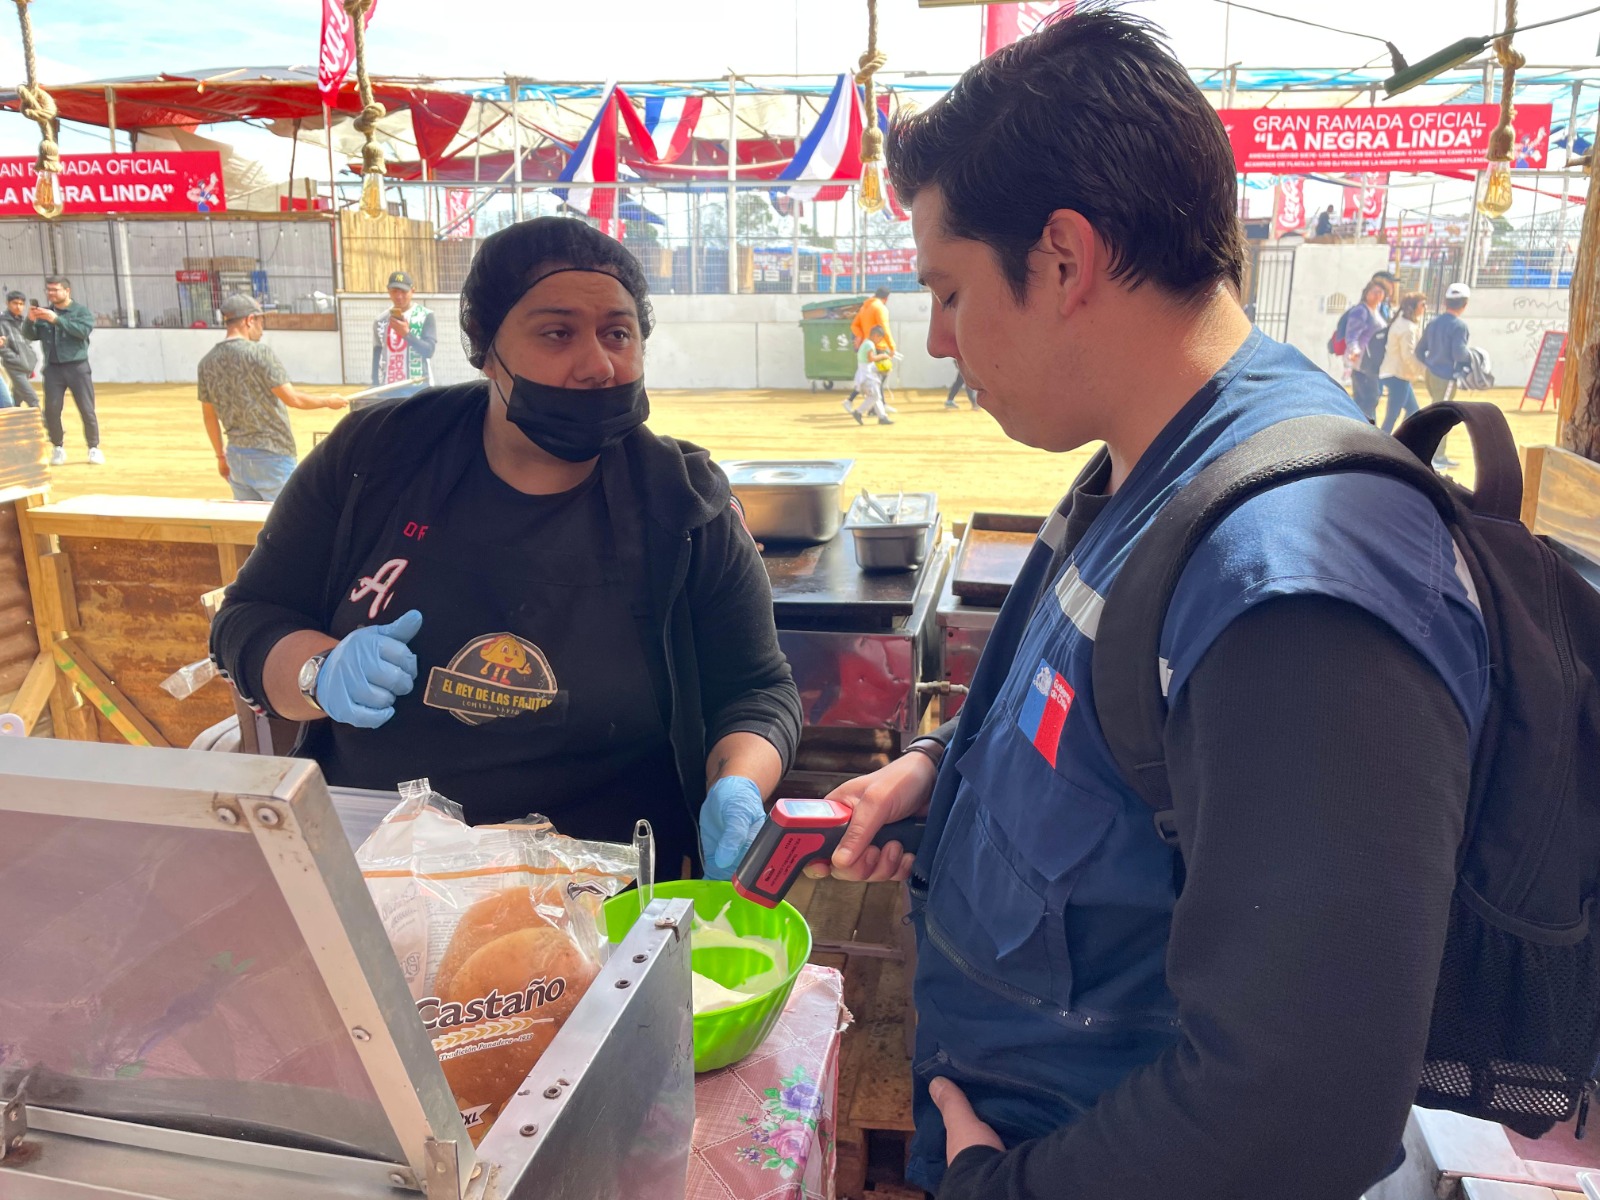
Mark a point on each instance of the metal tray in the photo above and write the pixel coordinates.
(790, 500)
(901, 543)
(992, 552)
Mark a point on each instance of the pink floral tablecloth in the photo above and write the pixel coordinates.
(764, 1127)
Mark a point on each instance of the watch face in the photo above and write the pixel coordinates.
(308, 672)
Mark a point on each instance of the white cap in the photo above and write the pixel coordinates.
(1458, 291)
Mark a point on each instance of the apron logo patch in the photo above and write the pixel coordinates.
(498, 675)
(1044, 710)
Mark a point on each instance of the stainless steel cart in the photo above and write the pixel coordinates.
(198, 1000)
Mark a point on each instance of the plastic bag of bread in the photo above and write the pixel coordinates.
(497, 929)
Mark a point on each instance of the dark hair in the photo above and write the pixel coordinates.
(1410, 303)
(510, 262)
(1094, 114)
(10, 296)
(882, 293)
(1455, 305)
(876, 329)
(61, 279)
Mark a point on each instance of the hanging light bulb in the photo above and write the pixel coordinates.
(372, 195)
(871, 198)
(1496, 201)
(47, 196)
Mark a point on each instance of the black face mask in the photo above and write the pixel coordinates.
(575, 424)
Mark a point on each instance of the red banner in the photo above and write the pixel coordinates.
(338, 47)
(1450, 137)
(181, 182)
(457, 204)
(1289, 205)
(1005, 23)
(878, 262)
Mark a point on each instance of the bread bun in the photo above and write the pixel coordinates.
(485, 1063)
(494, 916)
(540, 969)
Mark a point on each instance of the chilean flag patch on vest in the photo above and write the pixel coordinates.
(1044, 710)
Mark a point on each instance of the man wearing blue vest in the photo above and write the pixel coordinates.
(1099, 1014)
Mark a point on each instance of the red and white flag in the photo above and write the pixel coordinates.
(1366, 201)
(457, 204)
(1289, 207)
(338, 47)
(1005, 23)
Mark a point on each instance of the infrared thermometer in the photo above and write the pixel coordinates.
(797, 833)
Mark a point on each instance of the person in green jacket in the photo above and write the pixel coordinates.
(62, 331)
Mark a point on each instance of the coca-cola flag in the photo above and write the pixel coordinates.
(1005, 23)
(338, 47)
(1366, 200)
(1289, 207)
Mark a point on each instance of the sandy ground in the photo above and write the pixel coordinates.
(155, 444)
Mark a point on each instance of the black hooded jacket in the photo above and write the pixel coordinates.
(713, 652)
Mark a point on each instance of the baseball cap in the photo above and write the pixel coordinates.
(239, 306)
(399, 280)
(1458, 291)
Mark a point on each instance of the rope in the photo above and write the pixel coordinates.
(869, 65)
(37, 105)
(1511, 61)
(372, 112)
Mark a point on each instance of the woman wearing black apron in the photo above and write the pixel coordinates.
(515, 589)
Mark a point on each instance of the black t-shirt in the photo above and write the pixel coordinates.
(533, 692)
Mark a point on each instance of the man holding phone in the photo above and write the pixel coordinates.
(62, 331)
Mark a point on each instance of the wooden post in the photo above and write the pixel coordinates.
(1578, 427)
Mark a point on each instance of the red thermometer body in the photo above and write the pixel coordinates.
(799, 832)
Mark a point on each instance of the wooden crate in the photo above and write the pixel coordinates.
(117, 582)
(858, 929)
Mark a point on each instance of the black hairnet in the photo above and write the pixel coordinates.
(513, 260)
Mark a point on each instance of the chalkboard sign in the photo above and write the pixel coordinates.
(1544, 366)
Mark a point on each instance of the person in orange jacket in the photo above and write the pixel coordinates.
(875, 312)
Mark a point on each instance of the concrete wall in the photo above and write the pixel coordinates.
(1327, 280)
(755, 342)
(1510, 322)
(171, 355)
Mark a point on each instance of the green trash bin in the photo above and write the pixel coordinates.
(830, 347)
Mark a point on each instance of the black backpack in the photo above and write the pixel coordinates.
(1516, 1017)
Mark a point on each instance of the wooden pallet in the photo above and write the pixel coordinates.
(857, 928)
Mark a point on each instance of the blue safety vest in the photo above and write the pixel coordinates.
(1043, 918)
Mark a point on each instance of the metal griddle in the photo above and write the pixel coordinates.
(813, 583)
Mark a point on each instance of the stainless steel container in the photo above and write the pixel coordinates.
(902, 542)
(790, 500)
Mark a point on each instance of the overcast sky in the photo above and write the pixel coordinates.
(677, 39)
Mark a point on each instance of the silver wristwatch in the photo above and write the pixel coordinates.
(308, 678)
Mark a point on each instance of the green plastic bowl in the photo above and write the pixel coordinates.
(726, 1035)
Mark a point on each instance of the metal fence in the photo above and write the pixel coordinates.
(681, 235)
(173, 274)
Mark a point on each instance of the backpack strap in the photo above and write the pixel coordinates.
(1129, 683)
(1498, 492)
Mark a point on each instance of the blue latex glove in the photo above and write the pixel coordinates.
(729, 822)
(364, 674)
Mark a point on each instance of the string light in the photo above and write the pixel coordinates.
(1496, 199)
(372, 164)
(40, 107)
(870, 196)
